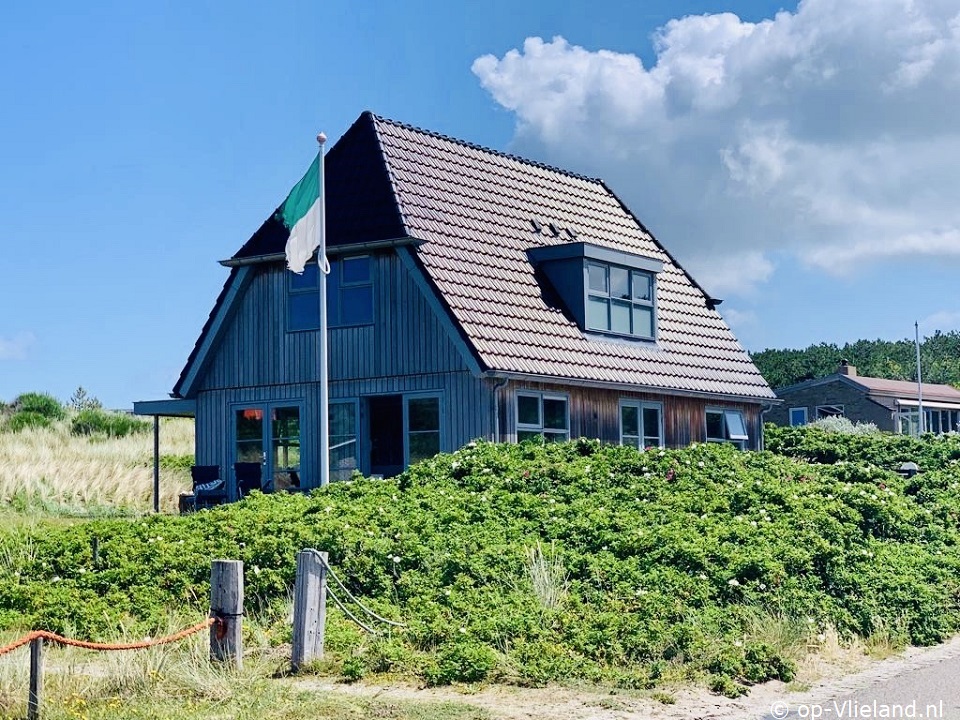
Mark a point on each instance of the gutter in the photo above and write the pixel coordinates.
(767, 407)
(628, 387)
(330, 249)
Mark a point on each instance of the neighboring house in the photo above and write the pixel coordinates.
(891, 405)
(472, 294)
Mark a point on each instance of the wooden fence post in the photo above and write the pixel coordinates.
(309, 607)
(36, 679)
(226, 605)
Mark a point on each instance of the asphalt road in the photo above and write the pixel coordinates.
(931, 692)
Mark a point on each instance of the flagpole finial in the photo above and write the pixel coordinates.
(321, 138)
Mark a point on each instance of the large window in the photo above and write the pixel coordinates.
(641, 424)
(798, 416)
(726, 426)
(541, 415)
(349, 294)
(620, 300)
(343, 439)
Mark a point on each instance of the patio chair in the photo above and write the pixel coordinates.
(249, 477)
(208, 487)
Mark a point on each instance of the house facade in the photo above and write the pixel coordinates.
(471, 294)
(891, 405)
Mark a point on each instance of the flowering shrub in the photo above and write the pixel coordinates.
(673, 561)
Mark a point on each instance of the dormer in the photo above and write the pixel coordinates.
(609, 292)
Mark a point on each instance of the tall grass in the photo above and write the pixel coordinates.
(51, 470)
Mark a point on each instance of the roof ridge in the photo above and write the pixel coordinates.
(484, 148)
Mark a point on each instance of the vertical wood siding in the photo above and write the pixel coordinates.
(404, 338)
(595, 413)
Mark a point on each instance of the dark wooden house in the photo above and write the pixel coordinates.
(472, 294)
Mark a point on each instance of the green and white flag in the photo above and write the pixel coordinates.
(300, 214)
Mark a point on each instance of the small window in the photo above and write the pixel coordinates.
(542, 416)
(726, 426)
(350, 291)
(825, 411)
(303, 299)
(798, 416)
(619, 300)
(641, 424)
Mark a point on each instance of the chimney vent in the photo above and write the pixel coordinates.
(847, 369)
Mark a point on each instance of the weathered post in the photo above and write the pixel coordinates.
(36, 679)
(309, 607)
(226, 605)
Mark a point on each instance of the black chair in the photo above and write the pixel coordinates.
(208, 487)
(249, 477)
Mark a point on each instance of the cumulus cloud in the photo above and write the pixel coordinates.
(944, 321)
(16, 347)
(827, 135)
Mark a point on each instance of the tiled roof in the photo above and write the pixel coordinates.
(906, 389)
(473, 208)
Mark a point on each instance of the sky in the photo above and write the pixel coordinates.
(801, 160)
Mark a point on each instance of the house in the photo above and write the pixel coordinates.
(471, 294)
(891, 405)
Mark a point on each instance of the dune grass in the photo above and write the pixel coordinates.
(50, 471)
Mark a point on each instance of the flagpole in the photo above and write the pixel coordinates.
(920, 416)
(323, 268)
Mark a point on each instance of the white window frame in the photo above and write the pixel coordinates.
(608, 297)
(407, 397)
(798, 409)
(830, 413)
(538, 428)
(640, 405)
(740, 439)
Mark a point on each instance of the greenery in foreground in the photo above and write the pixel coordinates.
(892, 359)
(530, 564)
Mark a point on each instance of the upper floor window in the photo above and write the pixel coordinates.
(349, 294)
(727, 426)
(619, 300)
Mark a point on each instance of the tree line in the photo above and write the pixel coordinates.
(891, 359)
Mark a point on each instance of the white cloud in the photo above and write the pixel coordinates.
(16, 347)
(739, 319)
(828, 133)
(944, 321)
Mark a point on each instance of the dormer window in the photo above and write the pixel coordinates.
(619, 300)
(606, 291)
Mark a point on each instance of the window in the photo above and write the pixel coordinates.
(303, 299)
(544, 416)
(798, 416)
(350, 291)
(619, 300)
(726, 426)
(423, 428)
(934, 421)
(342, 418)
(349, 294)
(825, 411)
(641, 424)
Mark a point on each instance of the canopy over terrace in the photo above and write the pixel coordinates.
(174, 407)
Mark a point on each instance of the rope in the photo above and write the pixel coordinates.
(61, 640)
(350, 595)
(348, 613)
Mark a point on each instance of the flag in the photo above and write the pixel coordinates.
(300, 214)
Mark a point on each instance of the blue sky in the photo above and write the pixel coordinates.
(803, 165)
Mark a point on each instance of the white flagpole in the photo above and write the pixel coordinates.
(324, 267)
(920, 418)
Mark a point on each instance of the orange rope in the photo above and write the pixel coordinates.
(60, 640)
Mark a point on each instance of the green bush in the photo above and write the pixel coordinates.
(100, 422)
(672, 559)
(26, 419)
(40, 403)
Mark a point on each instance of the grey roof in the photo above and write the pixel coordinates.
(472, 207)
